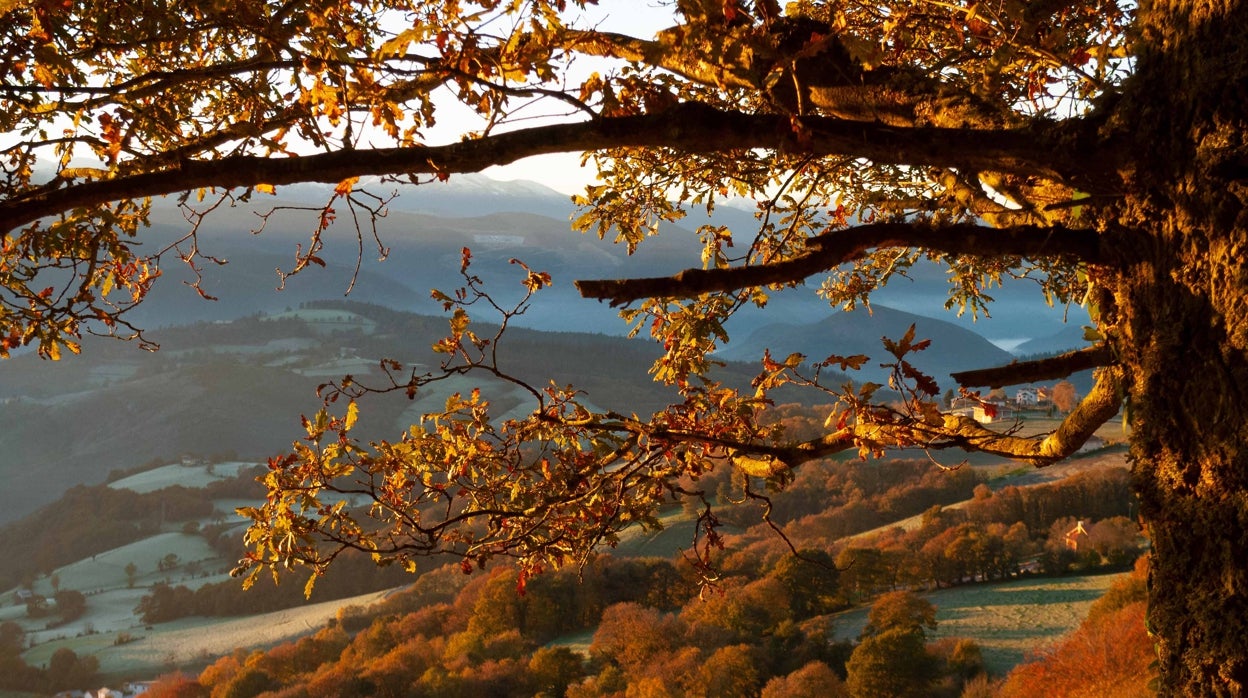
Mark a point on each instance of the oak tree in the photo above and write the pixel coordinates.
(1093, 146)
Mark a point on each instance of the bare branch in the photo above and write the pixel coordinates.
(1039, 370)
(833, 248)
(690, 126)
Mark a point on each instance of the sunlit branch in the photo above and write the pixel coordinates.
(1038, 370)
(689, 65)
(831, 249)
(1097, 407)
(825, 80)
(690, 126)
(955, 431)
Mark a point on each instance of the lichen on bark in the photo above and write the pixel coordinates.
(1180, 324)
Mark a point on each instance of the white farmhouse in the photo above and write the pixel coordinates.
(1027, 397)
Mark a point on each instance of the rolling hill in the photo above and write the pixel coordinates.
(238, 388)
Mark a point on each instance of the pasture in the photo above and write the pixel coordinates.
(177, 474)
(1010, 621)
(194, 642)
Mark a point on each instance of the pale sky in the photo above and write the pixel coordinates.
(564, 172)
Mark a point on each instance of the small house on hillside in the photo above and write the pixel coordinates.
(984, 412)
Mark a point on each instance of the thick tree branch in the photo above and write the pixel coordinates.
(956, 431)
(1099, 406)
(826, 79)
(1039, 370)
(690, 65)
(831, 249)
(689, 126)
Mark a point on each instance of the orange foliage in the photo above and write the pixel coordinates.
(815, 680)
(176, 686)
(633, 635)
(1108, 656)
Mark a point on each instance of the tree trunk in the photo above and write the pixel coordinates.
(1181, 319)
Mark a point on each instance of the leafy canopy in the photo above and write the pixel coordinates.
(872, 135)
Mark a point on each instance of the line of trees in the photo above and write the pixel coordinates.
(983, 540)
(65, 669)
(87, 520)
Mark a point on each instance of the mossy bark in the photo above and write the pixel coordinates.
(1179, 318)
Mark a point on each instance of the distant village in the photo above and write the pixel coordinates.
(1030, 401)
(997, 407)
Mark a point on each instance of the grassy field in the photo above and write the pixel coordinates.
(194, 642)
(178, 474)
(107, 570)
(1010, 621)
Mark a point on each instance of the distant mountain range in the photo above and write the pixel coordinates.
(427, 227)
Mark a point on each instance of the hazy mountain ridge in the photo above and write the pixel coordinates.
(859, 332)
(426, 229)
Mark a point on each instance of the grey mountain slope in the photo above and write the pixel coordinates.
(239, 388)
(846, 334)
(1070, 337)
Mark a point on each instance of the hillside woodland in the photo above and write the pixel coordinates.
(453, 635)
(642, 624)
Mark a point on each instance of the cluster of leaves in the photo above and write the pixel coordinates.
(99, 93)
(550, 486)
(546, 488)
